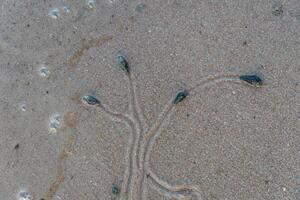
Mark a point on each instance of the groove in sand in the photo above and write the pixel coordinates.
(138, 172)
(60, 177)
(85, 45)
(154, 132)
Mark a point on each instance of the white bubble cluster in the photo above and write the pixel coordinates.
(54, 13)
(54, 122)
(24, 195)
(23, 106)
(66, 9)
(44, 71)
(111, 1)
(91, 3)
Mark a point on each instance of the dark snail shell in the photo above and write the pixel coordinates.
(123, 64)
(90, 100)
(115, 190)
(253, 80)
(181, 94)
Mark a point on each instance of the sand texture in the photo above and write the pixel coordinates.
(144, 100)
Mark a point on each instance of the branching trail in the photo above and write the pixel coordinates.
(138, 172)
(136, 123)
(130, 157)
(137, 114)
(135, 111)
(148, 140)
(177, 191)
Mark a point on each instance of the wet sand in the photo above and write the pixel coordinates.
(220, 138)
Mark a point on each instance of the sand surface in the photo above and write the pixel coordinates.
(225, 140)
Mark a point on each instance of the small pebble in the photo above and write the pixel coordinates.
(16, 146)
(123, 64)
(54, 122)
(181, 94)
(140, 7)
(54, 13)
(90, 100)
(277, 10)
(252, 80)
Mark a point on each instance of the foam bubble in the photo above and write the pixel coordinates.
(91, 3)
(44, 71)
(24, 195)
(54, 13)
(54, 122)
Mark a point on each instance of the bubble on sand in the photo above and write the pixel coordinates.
(54, 122)
(44, 71)
(54, 13)
(91, 3)
(111, 1)
(66, 9)
(23, 106)
(24, 195)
